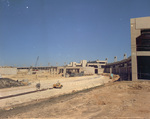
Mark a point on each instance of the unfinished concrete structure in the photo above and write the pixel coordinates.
(139, 64)
(70, 71)
(83, 63)
(98, 66)
(82, 68)
(140, 48)
(122, 68)
(55, 71)
(35, 70)
(8, 70)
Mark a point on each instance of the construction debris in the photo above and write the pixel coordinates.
(7, 83)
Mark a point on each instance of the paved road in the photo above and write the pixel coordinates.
(69, 85)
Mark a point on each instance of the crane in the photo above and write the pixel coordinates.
(36, 61)
(35, 68)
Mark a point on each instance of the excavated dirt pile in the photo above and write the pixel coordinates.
(7, 83)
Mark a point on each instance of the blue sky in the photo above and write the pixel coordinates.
(61, 31)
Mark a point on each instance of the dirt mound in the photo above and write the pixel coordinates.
(7, 83)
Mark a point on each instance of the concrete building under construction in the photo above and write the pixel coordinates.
(136, 67)
(72, 69)
(140, 48)
(90, 67)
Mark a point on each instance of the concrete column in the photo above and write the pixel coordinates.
(115, 59)
(64, 71)
(80, 70)
(134, 34)
(128, 71)
(54, 71)
(125, 56)
(110, 70)
(51, 71)
(57, 71)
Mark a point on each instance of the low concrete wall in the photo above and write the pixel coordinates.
(88, 70)
(100, 70)
(8, 71)
(23, 71)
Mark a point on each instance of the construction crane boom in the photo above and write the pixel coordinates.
(36, 61)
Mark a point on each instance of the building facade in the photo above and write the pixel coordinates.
(97, 67)
(140, 48)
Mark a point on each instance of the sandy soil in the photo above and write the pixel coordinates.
(69, 85)
(123, 100)
(33, 77)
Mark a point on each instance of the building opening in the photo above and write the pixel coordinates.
(143, 41)
(96, 71)
(143, 67)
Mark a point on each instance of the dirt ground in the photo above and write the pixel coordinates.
(70, 85)
(7, 83)
(32, 77)
(113, 100)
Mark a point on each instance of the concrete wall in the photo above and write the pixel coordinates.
(121, 68)
(100, 70)
(22, 70)
(123, 72)
(83, 62)
(8, 71)
(88, 70)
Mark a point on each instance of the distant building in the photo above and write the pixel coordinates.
(98, 66)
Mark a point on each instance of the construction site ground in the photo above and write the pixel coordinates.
(124, 100)
(72, 84)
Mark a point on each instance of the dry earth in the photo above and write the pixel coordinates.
(123, 100)
(69, 84)
(8, 83)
